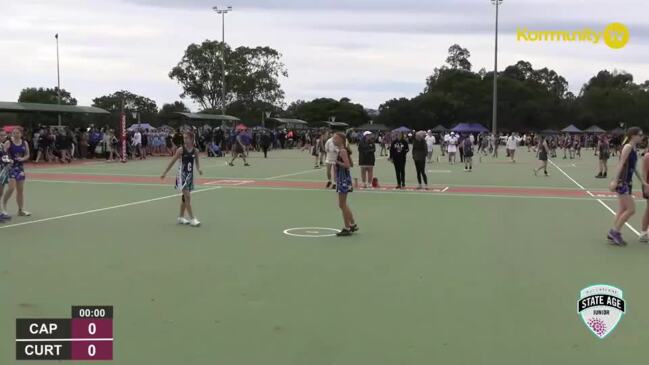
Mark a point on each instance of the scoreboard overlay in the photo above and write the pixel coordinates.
(87, 335)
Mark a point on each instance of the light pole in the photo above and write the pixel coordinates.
(494, 119)
(223, 12)
(58, 75)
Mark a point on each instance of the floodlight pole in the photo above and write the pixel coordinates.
(223, 12)
(58, 76)
(494, 120)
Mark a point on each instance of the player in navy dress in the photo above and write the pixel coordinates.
(623, 184)
(188, 157)
(5, 165)
(344, 183)
(18, 151)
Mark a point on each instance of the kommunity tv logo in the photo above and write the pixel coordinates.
(615, 35)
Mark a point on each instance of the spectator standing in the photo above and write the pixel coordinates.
(367, 158)
(398, 152)
(419, 155)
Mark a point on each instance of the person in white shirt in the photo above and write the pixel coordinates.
(331, 157)
(452, 148)
(137, 144)
(430, 143)
(512, 144)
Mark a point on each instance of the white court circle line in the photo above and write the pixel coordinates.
(289, 232)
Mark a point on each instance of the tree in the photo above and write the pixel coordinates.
(458, 58)
(131, 103)
(320, 110)
(175, 107)
(168, 111)
(46, 96)
(611, 98)
(251, 76)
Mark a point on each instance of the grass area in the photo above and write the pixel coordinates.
(431, 278)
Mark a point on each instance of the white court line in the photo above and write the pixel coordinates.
(593, 195)
(97, 183)
(370, 192)
(61, 339)
(293, 174)
(414, 193)
(102, 209)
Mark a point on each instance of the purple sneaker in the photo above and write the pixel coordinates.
(4, 217)
(615, 238)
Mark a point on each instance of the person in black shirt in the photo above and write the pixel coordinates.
(366, 158)
(419, 154)
(265, 143)
(398, 152)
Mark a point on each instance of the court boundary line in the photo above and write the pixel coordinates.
(98, 183)
(92, 211)
(300, 180)
(594, 197)
(416, 193)
(293, 174)
(441, 191)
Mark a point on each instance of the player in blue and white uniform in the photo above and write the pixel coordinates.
(18, 151)
(188, 157)
(344, 183)
(5, 165)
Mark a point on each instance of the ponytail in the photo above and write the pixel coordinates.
(631, 132)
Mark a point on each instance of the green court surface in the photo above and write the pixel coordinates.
(487, 269)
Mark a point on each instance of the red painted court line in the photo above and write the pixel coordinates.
(504, 191)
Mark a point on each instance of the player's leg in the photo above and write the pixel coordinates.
(330, 167)
(626, 210)
(20, 198)
(188, 204)
(181, 214)
(645, 224)
(8, 194)
(4, 216)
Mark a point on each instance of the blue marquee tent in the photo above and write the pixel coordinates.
(470, 128)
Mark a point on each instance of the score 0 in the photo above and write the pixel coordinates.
(92, 332)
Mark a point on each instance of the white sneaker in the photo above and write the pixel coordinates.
(644, 238)
(194, 222)
(24, 213)
(182, 220)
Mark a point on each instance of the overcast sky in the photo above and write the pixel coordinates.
(367, 50)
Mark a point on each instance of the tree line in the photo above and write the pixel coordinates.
(528, 98)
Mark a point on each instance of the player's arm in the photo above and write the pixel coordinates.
(344, 156)
(198, 165)
(626, 151)
(26, 157)
(177, 155)
(645, 170)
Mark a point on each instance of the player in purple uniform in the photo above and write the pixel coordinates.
(18, 151)
(344, 183)
(622, 184)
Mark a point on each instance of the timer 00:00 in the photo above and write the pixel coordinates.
(88, 313)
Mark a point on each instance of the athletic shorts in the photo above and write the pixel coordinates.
(344, 185)
(185, 182)
(17, 173)
(624, 188)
